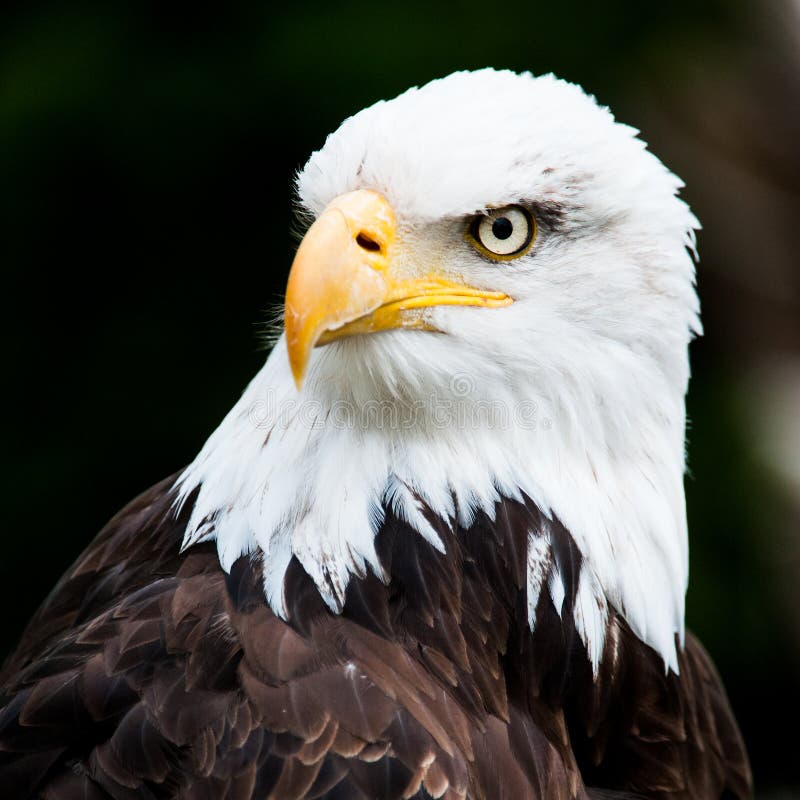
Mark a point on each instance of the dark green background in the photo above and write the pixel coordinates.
(146, 158)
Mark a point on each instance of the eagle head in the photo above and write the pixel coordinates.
(493, 299)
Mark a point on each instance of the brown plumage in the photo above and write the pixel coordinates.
(152, 674)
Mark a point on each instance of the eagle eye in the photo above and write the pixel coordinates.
(503, 233)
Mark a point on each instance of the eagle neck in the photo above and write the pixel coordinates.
(285, 479)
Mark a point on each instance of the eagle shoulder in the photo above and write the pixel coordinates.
(147, 673)
(151, 673)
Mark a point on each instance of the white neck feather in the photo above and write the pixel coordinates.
(310, 474)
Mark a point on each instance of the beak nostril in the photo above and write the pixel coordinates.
(367, 242)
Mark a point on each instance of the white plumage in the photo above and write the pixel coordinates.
(573, 395)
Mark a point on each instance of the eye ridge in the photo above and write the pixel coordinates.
(489, 232)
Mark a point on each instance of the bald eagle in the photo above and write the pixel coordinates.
(439, 547)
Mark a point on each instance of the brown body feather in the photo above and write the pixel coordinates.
(152, 674)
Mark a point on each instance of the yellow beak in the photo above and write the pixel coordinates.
(343, 282)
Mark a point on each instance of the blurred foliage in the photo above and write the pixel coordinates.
(146, 158)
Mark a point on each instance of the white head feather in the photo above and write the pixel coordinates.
(573, 395)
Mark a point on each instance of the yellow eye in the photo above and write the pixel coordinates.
(503, 233)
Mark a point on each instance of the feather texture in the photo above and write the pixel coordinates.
(176, 680)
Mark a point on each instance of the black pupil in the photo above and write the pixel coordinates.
(502, 228)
